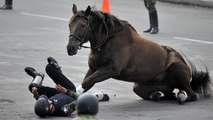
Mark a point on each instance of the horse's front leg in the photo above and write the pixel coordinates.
(97, 76)
(89, 72)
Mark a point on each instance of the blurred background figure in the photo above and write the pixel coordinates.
(8, 5)
(153, 17)
(87, 107)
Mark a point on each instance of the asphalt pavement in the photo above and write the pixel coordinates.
(35, 30)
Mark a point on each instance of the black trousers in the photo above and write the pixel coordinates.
(8, 2)
(59, 78)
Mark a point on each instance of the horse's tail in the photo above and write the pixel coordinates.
(200, 80)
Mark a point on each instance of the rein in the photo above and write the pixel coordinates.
(99, 35)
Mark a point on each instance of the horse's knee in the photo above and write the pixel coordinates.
(141, 92)
(137, 91)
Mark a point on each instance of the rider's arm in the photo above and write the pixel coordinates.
(72, 94)
(68, 108)
(67, 91)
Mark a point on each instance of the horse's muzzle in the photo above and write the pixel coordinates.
(71, 50)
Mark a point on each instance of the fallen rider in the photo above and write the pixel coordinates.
(58, 101)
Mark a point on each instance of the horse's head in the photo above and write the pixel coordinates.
(85, 26)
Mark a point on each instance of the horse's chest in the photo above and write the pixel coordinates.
(96, 61)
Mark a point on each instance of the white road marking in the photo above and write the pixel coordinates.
(193, 40)
(45, 16)
(2, 63)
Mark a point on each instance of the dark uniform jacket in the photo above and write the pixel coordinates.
(60, 100)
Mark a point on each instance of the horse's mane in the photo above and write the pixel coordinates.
(112, 21)
(116, 21)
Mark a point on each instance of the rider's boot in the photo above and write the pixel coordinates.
(37, 79)
(54, 63)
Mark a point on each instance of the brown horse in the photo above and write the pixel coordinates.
(119, 52)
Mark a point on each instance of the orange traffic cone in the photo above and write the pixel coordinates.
(105, 6)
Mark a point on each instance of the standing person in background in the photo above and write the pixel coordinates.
(8, 5)
(153, 17)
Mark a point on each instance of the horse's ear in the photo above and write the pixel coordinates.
(74, 9)
(87, 11)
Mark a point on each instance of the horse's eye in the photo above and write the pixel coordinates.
(82, 25)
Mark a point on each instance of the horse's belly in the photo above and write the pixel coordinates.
(142, 71)
(144, 67)
(137, 77)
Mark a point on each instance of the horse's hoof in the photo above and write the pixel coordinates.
(102, 96)
(181, 96)
(156, 95)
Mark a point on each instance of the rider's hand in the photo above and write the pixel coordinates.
(61, 89)
(34, 90)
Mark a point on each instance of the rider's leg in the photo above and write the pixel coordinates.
(37, 84)
(48, 91)
(58, 77)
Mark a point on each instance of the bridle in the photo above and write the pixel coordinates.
(88, 28)
(82, 35)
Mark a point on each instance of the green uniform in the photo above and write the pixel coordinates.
(69, 108)
(150, 4)
(86, 117)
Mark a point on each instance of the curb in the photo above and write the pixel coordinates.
(198, 3)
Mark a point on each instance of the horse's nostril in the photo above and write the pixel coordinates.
(72, 48)
(69, 48)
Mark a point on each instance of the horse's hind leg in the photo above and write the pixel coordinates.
(182, 75)
(153, 92)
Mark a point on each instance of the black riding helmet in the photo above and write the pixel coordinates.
(42, 106)
(87, 104)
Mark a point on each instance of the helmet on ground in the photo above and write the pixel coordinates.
(42, 106)
(87, 104)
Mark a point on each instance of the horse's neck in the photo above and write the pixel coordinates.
(136, 36)
(114, 30)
